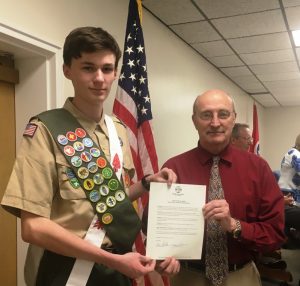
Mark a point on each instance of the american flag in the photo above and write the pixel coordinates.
(133, 106)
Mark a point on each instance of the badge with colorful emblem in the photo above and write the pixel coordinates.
(71, 136)
(78, 146)
(101, 162)
(104, 190)
(69, 150)
(87, 142)
(94, 196)
(101, 207)
(120, 196)
(62, 140)
(92, 166)
(107, 218)
(95, 152)
(76, 161)
(86, 156)
(88, 184)
(113, 184)
(80, 132)
(111, 201)
(83, 172)
(107, 173)
(98, 179)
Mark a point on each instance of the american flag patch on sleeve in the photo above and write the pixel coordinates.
(30, 129)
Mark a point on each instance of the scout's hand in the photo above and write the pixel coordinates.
(219, 211)
(134, 265)
(165, 175)
(170, 266)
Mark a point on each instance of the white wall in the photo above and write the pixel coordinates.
(282, 128)
(176, 73)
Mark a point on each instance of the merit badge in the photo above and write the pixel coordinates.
(92, 166)
(88, 184)
(120, 196)
(98, 179)
(78, 146)
(101, 207)
(69, 150)
(71, 136)
(30, 129)
(113, 184)
(70, 173)
(62, 140)
(95, 152)
(83, 172)
(107, 218)
(111, 201)
(101, 162)
(104, 190)
(76, 161)
(87, 142)
(74, 183)
(107, 173)
(86, 156)
(94, 196)
(80, 132)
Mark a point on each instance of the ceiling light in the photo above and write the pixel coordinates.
(296, 36)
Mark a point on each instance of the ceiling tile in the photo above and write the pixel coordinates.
(226, 61)
(292, 99)
(265, 99)
(278, 41)
(173, 12)
(212, 49)
(251, 24)
(274, 68)
(268, 57)
(290, 3)
(293, 17)
(283, 85)
(249, 83)
(196, 32)
(279, 76)
(224, 8)
(236, 71)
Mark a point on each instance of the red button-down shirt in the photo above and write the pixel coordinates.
(251, 191)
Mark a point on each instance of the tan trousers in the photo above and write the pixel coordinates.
(246, 276)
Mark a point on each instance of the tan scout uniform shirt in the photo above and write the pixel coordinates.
(39, 184)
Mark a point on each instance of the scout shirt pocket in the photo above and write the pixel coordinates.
(69, 185)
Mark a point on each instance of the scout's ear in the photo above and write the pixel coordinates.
(66, 70)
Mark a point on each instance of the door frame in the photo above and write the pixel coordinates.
(41, 82)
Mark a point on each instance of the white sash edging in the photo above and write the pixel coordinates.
(82, 268)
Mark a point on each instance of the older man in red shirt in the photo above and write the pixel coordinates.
(250, 214)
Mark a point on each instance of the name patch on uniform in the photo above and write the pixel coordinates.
(30, 129)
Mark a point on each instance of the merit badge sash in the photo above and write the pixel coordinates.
(96, 177)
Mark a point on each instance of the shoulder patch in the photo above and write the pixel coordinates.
(30, 130)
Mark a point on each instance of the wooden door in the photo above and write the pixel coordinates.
(8, 225)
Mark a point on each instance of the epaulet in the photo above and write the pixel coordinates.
(31, 127)
(118, 120)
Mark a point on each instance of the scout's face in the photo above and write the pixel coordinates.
(214, 118)
(92, 76)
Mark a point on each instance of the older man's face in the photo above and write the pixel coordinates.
(214, 119)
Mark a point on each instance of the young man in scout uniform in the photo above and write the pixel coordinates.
(70, 166)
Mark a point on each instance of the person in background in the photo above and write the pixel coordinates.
(244, 210)
(241, 136)
(74, 163)
(289, 183)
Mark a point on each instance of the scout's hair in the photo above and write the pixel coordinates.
(89, 40)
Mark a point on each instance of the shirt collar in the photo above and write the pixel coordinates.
(87, 124)
(205, 157)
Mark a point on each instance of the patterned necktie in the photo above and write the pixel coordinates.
(216, 255)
